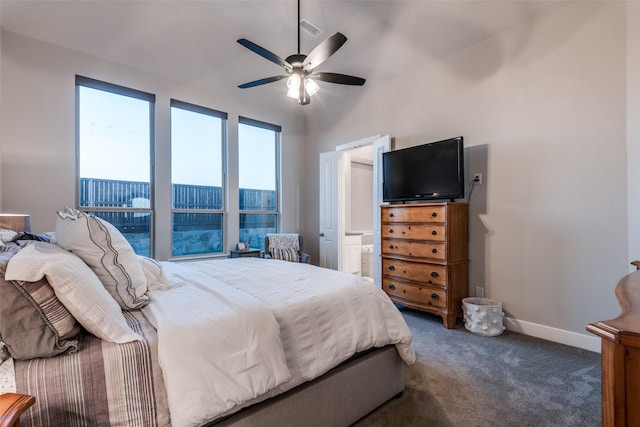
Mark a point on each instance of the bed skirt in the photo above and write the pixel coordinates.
(339, 398)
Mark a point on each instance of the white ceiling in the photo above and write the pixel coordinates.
(196, 40)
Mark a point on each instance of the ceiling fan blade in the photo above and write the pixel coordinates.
(262, 81)
(323, 51)
(265, 53)
(342, 79)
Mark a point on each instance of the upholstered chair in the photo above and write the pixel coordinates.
(302, 257)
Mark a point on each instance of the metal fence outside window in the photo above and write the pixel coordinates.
(104, 193)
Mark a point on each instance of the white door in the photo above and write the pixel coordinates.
(380, 145)
(330, 201)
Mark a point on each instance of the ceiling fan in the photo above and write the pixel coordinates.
(300, 68)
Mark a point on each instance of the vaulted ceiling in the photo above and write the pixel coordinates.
(195, 41)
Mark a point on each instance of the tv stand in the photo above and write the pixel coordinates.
(425, 257)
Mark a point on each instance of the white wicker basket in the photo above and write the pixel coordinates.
(483, 316)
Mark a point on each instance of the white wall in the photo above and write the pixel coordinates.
(38, 133)
(545, 104)
(361, 200)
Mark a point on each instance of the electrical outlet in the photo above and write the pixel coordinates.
(479, 291)
(477, 178)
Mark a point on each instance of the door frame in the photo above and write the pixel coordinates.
(380, 143)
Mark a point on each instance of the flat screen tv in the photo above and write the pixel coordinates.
(433, 171)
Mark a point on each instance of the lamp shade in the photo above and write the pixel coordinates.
(311, 86)
(293, 86)
(15, 222)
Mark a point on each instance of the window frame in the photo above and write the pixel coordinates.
(277, 129)
(224, 117)
(161, 216)
(81, 81)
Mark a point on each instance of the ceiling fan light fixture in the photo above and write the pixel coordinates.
(299, 68)
(311, 86)
(293, 86)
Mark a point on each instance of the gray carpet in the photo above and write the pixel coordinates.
(464, 379)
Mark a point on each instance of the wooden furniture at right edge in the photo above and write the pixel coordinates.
(425, 260)
(12, 405)
(621, 356)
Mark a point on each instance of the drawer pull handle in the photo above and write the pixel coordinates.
(434, 232)
(391, 231)
(434, 214)
(392, 286)
(435, 296)
(391, 267)
(391, 215)
(434, 251)
(390, 246)
(434, 274)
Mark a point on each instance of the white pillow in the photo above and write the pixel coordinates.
(155, 274)
(7, 235)
(107, 252)
(76, 286)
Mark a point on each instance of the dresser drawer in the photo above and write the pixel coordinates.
(414, 214)
(415, 292)
(410, 248)
(435, 232)
(415, 271)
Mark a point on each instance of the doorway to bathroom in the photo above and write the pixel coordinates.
(358, 191)
(350, 199)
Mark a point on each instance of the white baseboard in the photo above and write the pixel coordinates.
(561, 336)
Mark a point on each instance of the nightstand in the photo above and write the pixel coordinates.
(249, 253)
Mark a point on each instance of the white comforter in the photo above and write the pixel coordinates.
(322, 317)
(217, 347)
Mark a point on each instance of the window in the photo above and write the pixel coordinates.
(114, 143)
(258, 144)
(197, 179)
(187, 208)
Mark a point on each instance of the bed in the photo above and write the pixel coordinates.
(244, 341)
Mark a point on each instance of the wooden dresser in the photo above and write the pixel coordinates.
(425, 261)
(621, 357)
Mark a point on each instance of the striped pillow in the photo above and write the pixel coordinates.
(76, 286)
(105, 250)
(33, 322)
(285, 254)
